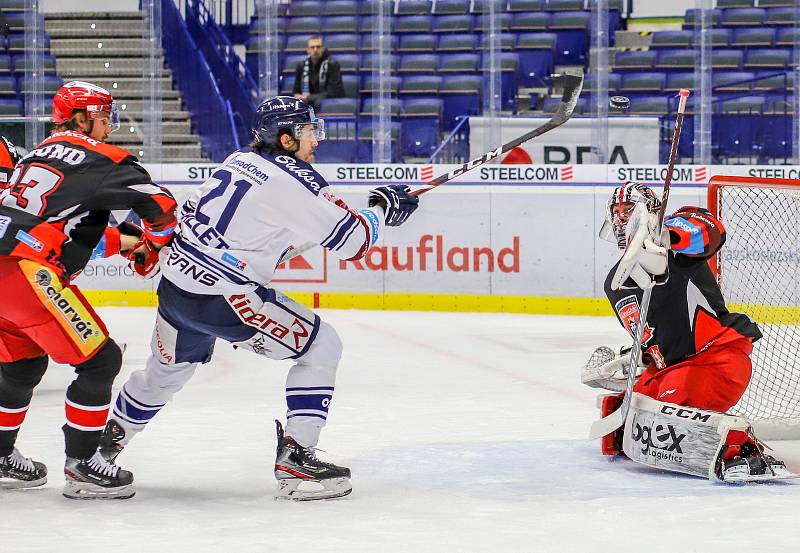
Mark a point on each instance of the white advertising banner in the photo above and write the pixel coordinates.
(630, 140)
(525, 230)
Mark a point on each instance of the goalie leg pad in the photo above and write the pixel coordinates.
(676, 438)
(611, 444)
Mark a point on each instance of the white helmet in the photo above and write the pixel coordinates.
(613, 229)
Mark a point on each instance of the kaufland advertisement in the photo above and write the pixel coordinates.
(503, 230)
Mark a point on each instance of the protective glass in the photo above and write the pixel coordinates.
(113, 117)
(613, 229)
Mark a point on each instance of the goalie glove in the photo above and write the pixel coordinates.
(644, 262)
(608, 370)
(143, 256)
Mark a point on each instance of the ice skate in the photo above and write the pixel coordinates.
(17, 471)
(96, 478)
(109, 446)
(753, 466)
(296, 465)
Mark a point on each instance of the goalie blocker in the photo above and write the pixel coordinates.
(692, 441)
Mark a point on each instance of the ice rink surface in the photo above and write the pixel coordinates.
(464, 432)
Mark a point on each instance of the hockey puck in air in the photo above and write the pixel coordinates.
(619, 103)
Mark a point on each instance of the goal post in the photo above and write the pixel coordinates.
(758, 270)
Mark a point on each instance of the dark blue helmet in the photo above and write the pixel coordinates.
(285, 113)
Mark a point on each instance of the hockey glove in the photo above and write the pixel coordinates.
(643, 261)
(397, 203)
(143, 259)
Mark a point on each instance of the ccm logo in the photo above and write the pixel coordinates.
(685, 413)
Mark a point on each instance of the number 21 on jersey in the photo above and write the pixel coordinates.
(220, 214)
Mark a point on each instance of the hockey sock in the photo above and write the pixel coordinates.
(89, 400)
(17, 381)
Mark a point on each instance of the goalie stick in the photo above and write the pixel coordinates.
(610, 423)
(573, 83)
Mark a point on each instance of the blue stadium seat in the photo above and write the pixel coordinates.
(505, 41)
(452, 24)
(290, 62)
(768, 57)
(525, 5)
(729, 81)
(49, 84)
(457, 43)
(370, 61)
(365, 140)
(420, 126)
(8, 85)
(286, 85)
(16, 20)
(775, 3)
(680, 79)
(692, 16)
(530, 21)
(338, 107)
(458, 63)
(672, 39)
(634, 60)
(412, 24)
(726, 58)
(772, 80)
(340, 7)
(340, 144)
(734, 3)
(451, 7)
(367, 44)
(340, 24)
(720, 37)
(370, 106)
(614, 82)
(759, 36)
(296, 43)
(18, 63)
(18, 44)
(13, 5)
(649, 105)
(10, 107)
(644, 82)
(781, 16)
(749, 17)
(676, 59)
(416, 43)
(537, 57)
(351, 85)
(420, 63)
(413, 7)
(341, 42)
(787, 36)
(307, 25)
(570, 20)
(305, 8)
(5, 63)
(348, 62)
(564, 5)
(503, 22)
(461, 94)
(421, 84)
(371, 84)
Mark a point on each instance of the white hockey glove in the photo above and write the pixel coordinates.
(608, 370)
(643, 260)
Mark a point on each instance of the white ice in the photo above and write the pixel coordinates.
(464, 433)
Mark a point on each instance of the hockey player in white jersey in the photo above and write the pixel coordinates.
(231, 235)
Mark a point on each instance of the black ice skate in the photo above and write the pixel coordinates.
(96, 478)
(296, 464)
(109, 446)
(752, 466)
(17, 471)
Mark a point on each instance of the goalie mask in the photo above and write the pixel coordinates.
(620, 208)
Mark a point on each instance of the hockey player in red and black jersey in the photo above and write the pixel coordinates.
(696, 352)
(54, 217)
(9, 157)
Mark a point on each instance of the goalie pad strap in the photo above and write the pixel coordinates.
(677, 438)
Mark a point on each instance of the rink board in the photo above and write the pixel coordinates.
(506, 238)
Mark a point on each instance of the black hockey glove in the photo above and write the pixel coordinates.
(397, 203)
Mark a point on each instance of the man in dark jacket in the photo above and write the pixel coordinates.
(318, 76)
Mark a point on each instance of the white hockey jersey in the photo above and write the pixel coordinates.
(234, 228)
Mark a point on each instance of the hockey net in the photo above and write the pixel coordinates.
(758, 270)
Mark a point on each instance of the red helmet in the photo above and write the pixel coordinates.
(80, 95)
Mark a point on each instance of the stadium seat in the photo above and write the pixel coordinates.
(551, 105)
(416, 43)
(458, 63)
(370, 107)
(13, 4)
(770, 80)
(368, 7)
(776, 3)
(672, 39)
(720, 37)
(286, 85)
(340, 7)
(367, 42)
(503, 22)
(8, 85)
(17, 43)
(412, 24)
(614, 82)
(5, 63)
(413, 7)
(459, 42)
(762, 36)
(725, 58)
(680, 79)
(348, 62)
(451, 7)
(420, 63)
(734, 3)
(369, 62)
(17, 20)
(505, 41)
(787, 36)
(643, 82)
(525, 5)
(749, 17)
(746, 104)
(529, 21)
(338, 107)
(340, 144)
(10, 107)
(730, 81)
(634, 60)
(290, 62)
(781, 16)
(421, 84)
(305, 8)
(692, 14)
(340, 24)
(461, 94)
(341, 42)
(49, 85)
(371, 84)
(366, 140)
(676, 59)
(649, 105)
(296, 43)
(18, 63)
(768, 57)
(564, 5)
(452, 24)
(307, 25)
(536, 59)
(420, 126)
(570, 20)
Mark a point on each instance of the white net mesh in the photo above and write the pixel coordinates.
(759, 275)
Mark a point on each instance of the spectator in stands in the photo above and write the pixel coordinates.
(318, 76)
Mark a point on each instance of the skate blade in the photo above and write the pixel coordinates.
(86, 490)
(332, 488)
(14, 484)
(769, 477)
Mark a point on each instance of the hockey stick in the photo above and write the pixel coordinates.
(573, 83)
(610, 423)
